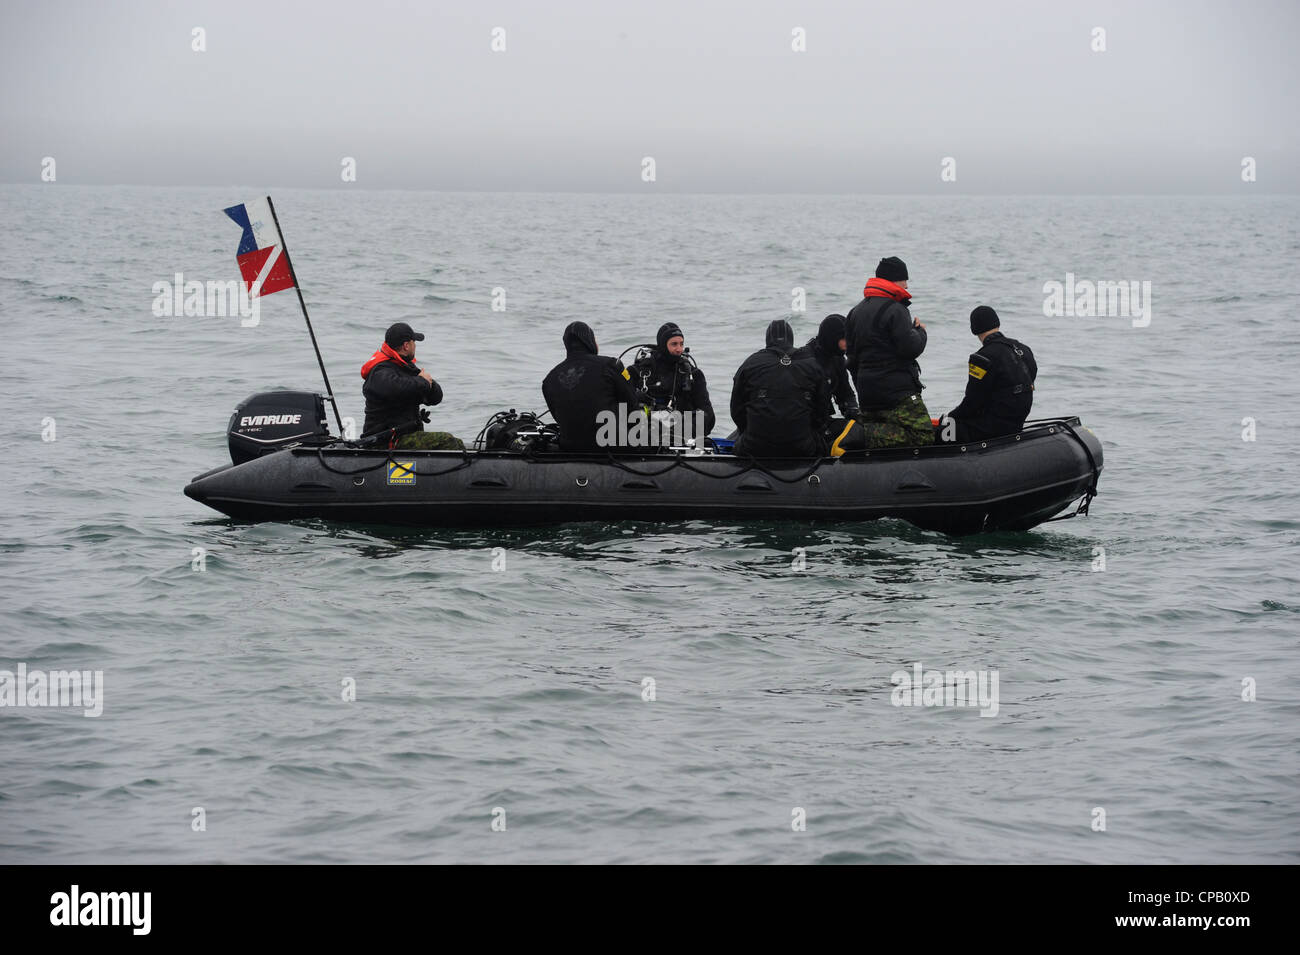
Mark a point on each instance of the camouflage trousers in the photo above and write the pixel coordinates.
(430, 441)
(906, 425)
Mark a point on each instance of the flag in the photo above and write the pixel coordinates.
(261, 256)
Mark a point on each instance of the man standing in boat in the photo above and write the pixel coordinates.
(395, 389)
(585, 388)
(670, 381)
(883, 342)
(999, 383)
(779, 400)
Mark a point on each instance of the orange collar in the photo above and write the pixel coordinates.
(883, 288)
(384, 354)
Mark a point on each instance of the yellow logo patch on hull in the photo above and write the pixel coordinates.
(401, 472)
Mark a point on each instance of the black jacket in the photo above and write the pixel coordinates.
(883, 345)
(779, 400)
(579, 388)
(393, 396)
(999, 390)
(836, 373)
(667, 379)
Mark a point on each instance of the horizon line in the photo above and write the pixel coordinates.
(647, 192)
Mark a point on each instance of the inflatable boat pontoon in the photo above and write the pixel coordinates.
(1010, 483)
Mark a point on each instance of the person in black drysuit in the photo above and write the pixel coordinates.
(668, 381)
(827, 347)
(779, 400)
(395, 388)
(999, 384)
(586, 383)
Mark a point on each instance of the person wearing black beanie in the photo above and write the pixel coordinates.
(779, 400)
(892, 269)
(582, 386)
(667, 378)
(999, 385)
(883, 343)
(983, 319)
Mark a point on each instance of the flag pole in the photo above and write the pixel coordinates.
(284, 246)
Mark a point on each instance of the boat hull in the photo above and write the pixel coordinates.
(1010, 483)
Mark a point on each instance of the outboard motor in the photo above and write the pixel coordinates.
(273, 420)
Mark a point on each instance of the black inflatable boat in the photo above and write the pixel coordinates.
(1010, 483)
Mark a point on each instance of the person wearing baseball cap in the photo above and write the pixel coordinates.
(999, 384)
(395, 388)
(883, 342)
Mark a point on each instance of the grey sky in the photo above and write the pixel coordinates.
(713, 91)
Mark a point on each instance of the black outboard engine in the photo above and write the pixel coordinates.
(272, 420)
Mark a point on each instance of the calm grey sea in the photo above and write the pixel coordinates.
(1121, 689)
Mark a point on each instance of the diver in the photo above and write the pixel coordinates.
(779, 400)
(827, 347)
(667, 379)
(395, 389)
(583, 388)
(999, 383)
(884, 341)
